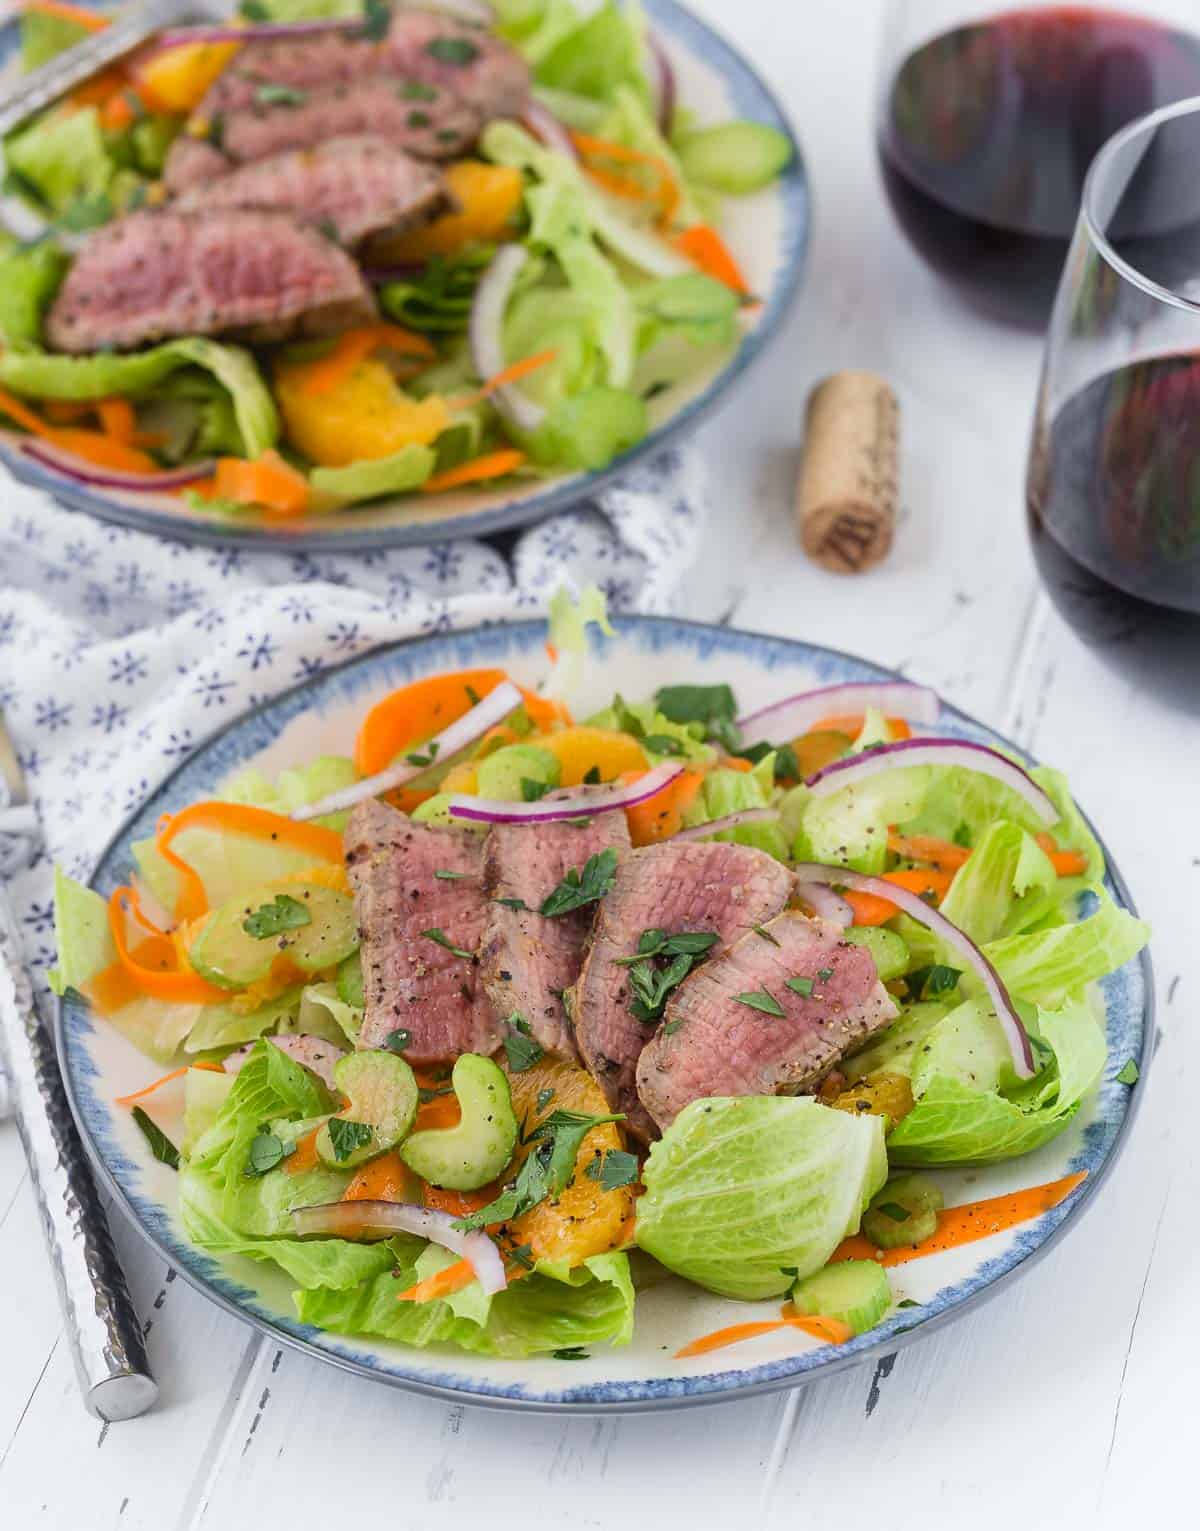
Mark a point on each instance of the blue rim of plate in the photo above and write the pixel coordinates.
(1104, 1138)
(752, 98)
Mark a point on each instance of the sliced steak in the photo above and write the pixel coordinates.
(712, 1043)
(350, 187)
(527, 960)
(714, 886)
(193, 162)
(450, 57)
(153, 275)
(410, 980)
(383, 108)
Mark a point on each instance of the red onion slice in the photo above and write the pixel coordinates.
(825, 902)
(797, 714)
(486, 336)
(82, 472)
(543, 124)
(493, 709)
(811, 873)
(730, 821)
(662, 83)
(935, 752)
(572, 803)
(372, 1221)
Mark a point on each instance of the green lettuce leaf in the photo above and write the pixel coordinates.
(368, 479)
(82, 935)
(954, 1124)
(63, 157)
(569, 617)
(726, 792)
(40, 375)
(596, 56)
(44, 37)
(323, 1012)
(737, 1190)
(295, 788)
(29, 279)
(1047, 966)
(1005, 864)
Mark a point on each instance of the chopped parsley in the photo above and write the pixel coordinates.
(614, 1169)
(412, 91)
(282, 913)
(254, 10)
(761, 930)
(571, 1353)
(512, 903)
(452, 50)
(267, 1150)
(522, 1255)
(787, 766)
(445, 876)
(824, 974)
(546, 1172)
(426, 759)
(396, 1041)
(591, 777)
(280, 95)
(347, 1137)
(651, 987)
(929, 982)
(907, 1302)
(663, 744)
(1130, 1073)
(760, 999)
(580, 888)
(544, 1097)
(160, 1144)
(801, 986)
(442, 939)
(531, 790)
(520, 1048)
(419, 119)
(377, 19)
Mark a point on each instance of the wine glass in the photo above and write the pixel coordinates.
(989, 116)
(1113, 485)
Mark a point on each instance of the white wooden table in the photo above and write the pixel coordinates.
(1069, 1400)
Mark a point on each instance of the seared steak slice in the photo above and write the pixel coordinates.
(153, 275)
(378, 106)
(411, 981)
(451, 57)
(527, 959)
(713, 886)
(713, 1043)
(193, 162)
(351, 187)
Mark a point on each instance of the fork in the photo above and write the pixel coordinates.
(105, 1336)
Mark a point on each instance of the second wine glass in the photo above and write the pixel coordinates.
(990, 116)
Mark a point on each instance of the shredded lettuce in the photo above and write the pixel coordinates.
(295, 788)
(569, 618)
(40, 375)
(45, 36)
(368, 479)
(63, 157)
(1006, 864)
(738, 1189)
(1047, 966)
(29, 279)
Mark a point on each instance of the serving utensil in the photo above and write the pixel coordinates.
(102, 1328)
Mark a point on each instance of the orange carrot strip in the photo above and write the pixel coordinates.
(705, 248)
(68, 411)
(1065, 863)
(457, 1203)
(511, 374)
(327, 373)
(304, 1155)
(117, 112)
(661, 816)
(128, 1100)
(851, 723)
(968, 1223)
(22, 414)
(117, 419)
(241, 818)
(819, 1325)
(386, 1178)
(665, 191)
(102, 450)
(943, 854)
(443, 1284)
(165, 979)
(733, 1335)
(476, 471)
(870, 909)
(267, 481)
(93, 21)
(417, 712)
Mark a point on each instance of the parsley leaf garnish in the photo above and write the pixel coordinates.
(544, 1097)
(696, 704)
(266, 1151)
(346, 1137)
(521, 1255)
(929, 982)
(452, 50)
(824, 974)
(545, 1173)
(426, 759)
(442, 939)
(521, 1049)
(280, 95)
(580, 888)
(760, 999)
(591, 777)
(160, 1144)
(787, 766)
(652, 988)
(907, 1302)
(571, 1353)
(613, 1169)
(802, 986)
(282, 913)
(377, 19)
(761, 930)
(518, 904)
(1130, 1073)
(451, 876)
(532, 790)
(396, 1041)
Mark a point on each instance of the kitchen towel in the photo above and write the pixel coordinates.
(121, 652)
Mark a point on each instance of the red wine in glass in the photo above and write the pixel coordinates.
(1114, 515)
(987, 133)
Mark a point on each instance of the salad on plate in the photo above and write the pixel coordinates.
(331, 251)
(484, 1024)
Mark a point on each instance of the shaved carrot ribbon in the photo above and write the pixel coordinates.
(328, 372)
(476, 471)
(943, 854)
(443, 1283)
(1065, 863)
(149, 1089)
(968, 1223)
(664, 190)
(304, 1155)
(705, 248)
(91, 21)
(852, 724)
(511, 374)
(240, 818)
(267, 480)
(103, 448)
(925, 882)
(830, 1330)
(165, 979)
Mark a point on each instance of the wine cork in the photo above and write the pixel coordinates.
(846, 497)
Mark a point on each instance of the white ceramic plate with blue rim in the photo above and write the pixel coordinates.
(768, 234)
(322, 715)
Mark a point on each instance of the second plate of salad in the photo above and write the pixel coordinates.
(396, 274)
(692, 1021)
